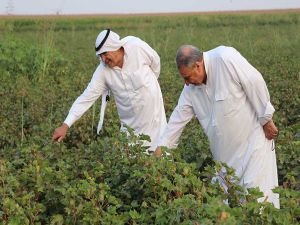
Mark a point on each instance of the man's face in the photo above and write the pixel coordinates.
(111, 59)
(195, 75)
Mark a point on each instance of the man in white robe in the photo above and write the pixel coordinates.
(129, 69)
(230, 99)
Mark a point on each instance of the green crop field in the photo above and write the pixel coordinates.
(45, 63)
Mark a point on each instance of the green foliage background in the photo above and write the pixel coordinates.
(45, 63)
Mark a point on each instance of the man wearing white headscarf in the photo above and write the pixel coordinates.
(129, 69)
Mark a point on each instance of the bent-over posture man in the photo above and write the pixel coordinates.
(230, 99)
(129, 69)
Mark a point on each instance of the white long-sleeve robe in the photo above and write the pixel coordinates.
(231, 107)
(135, 88)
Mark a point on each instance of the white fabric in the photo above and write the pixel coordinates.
(102, 111)
(135, 89)
(112, 42)
(232, 108)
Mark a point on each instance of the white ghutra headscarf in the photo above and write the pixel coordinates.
(107, 41)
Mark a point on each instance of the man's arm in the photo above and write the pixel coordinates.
(152, 58)
(256, 90)
(157, 152)
(270, 130)
(95, 88)
(60, 133)
(181, 115)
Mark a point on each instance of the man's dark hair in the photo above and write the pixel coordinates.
(187, 56)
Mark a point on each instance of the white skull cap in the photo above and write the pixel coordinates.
(107, 41)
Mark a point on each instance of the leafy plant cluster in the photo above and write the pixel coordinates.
(92, 179)
(112, 182)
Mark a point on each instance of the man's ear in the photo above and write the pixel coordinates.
(199, 63)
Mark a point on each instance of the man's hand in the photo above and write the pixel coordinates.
(60, 133)
(157, 152)
(270, 130)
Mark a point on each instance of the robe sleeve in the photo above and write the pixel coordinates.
(151, 57)
(94, 90)
(181, 115)
(252, 83)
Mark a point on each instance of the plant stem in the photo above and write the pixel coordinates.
(93, 117)
(22, 120)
